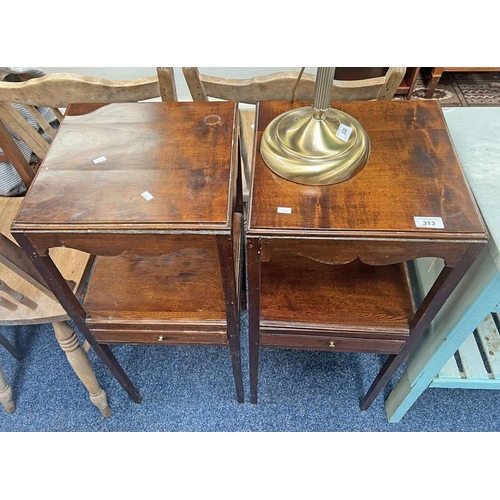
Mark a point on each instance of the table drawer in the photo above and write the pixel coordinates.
(330, 343)
(186, 337)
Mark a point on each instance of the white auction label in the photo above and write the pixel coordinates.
(429, 222)
(147, 195)
(344, 132)
(100, 159)
(284, 210)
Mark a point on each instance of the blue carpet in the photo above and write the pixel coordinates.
(190, 389)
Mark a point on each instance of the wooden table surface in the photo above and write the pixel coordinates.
(412, 172)
(178, 155)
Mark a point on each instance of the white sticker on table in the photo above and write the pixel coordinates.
(284, 210)
(429, 222)
(344, 132)
(147, 195)
(100, 159)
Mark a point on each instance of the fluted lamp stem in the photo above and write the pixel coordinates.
(322, 91)
(316, 145)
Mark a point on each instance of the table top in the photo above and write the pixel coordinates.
(475, 132)
(412, 171)
(147, 166)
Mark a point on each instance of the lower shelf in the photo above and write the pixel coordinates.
(302, 296)
(476, 365)
(174, 298)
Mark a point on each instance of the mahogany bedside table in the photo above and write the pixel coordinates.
(151, 190)
(329, 267)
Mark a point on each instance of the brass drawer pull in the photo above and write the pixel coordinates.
(160, 338)
(331, 344)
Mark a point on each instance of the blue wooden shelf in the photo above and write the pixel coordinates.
(476, 364)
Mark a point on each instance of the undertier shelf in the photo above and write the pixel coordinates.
(177, 297)
(301, 296)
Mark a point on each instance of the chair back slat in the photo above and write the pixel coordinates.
(18, 124)
(57, 113)
(44, 124)
(7, 304)
(17, 296)
(14, 258)
(14, 155)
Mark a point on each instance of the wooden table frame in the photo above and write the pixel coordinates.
(104, 239)
(268, 236)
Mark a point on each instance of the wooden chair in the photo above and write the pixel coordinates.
(24, 297)
(280, 86)
(26, 300)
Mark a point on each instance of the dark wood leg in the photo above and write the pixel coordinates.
(412, 75)
(16, 259)
(231, 296)
(445, 283)
(253, 273)
(239, 182)
(240, 227)
(436, 74)
(75, 311)
(384, 375)
(10, 348)
(244, 282)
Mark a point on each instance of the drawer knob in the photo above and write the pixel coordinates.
(331, 344)
(160, 338)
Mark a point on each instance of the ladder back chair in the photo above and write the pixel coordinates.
(24, 296)
(283, 86)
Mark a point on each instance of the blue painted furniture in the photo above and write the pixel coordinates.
(462, 347)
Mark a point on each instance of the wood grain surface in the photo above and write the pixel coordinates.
(303, 293)
(178, 155)
(412, 171)
(182, 284)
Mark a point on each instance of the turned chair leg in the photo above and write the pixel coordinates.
(6, 395)
(80, 363)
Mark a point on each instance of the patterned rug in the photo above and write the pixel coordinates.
(462, 89)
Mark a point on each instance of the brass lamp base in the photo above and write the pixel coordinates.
(315, 146)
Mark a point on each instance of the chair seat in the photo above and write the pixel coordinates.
(72, 263)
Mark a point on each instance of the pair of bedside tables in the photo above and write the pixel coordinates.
(152, 190)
